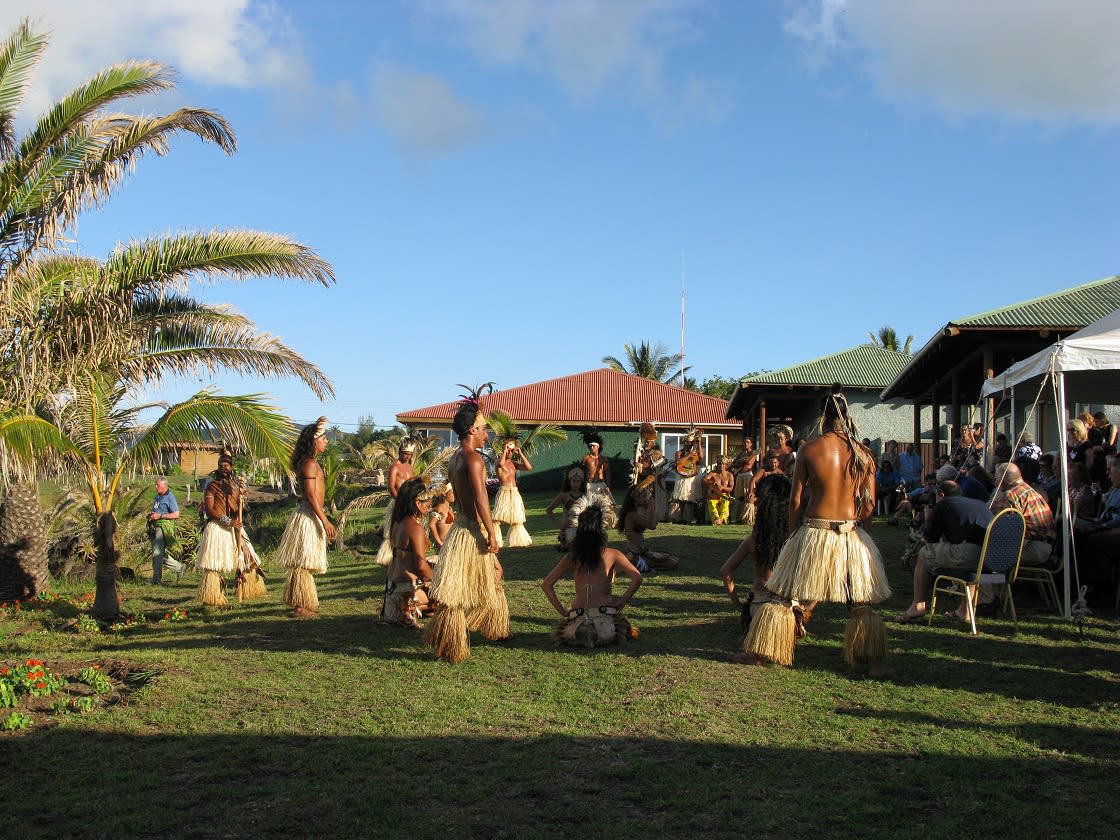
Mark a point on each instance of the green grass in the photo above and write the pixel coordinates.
(260, 724)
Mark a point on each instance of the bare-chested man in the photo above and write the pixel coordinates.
(467, 583)
(828, 556)
(597, 467)
(508, 506)
(400, 472)
(718, 484)
(303, 548)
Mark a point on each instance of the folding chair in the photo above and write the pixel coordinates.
(999, 563)
(1046, 576)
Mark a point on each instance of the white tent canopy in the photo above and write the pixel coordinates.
(1080, 358)
(1084, 368)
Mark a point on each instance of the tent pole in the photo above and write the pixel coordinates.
(1059, 381)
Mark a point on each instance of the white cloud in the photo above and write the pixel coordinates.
(585, 45)
(239, 43)
(420, 111)
(1027, 59)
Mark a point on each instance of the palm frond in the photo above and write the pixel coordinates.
(32, 439)
(542, 437)
(18, 57)
(370, 500)
(246, 423)
(229, 254)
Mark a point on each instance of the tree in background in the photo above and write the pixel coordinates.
(887, 338)
(127, 320)
(649, 362)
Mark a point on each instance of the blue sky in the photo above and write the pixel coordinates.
(510, 190)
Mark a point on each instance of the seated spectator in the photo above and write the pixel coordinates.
(1001, 452)
(1049, 481)
(910, 466)
(1028, 448)
(595, 617)
(978, 484)
(1098, 542)
(1082, 499)
(1077, 444)
(1014, 492)
(887, 487)
(916, 501)
(1103, 440)
(954, 534)
(891, 453)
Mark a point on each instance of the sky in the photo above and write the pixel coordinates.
(510, 190)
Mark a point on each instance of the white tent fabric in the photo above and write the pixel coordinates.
(1084, 367)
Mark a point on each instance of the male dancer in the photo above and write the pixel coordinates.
(303, 548)
(828, 556)
(467, 583)
(400, 472)
(597, 467)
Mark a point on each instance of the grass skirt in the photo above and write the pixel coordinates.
(865, 637)
(385, 550)
(210, 592)
(592, 627)
(510, 509)
(252, 584)
(822, 565)
(304, 544)
(217, 550)
(690, 489)
(772, 634)
(470, 595)
(299, 593)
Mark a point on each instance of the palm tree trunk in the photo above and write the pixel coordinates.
(106, 603)
(23, 544)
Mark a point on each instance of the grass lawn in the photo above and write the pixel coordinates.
(247, 722)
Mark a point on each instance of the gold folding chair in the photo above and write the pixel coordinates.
(998, 566)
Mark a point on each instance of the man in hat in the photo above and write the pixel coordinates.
(400, 472)
(718, 484)
(303, 547)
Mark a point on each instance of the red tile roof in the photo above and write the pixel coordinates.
(602, 397)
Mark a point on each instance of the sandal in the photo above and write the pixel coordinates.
(906, 618)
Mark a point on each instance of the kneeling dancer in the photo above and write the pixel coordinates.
(409, 575)
(467, 583)
(303, 548)
(595, 617)
(828, 557)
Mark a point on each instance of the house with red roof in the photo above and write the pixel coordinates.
(612, 403)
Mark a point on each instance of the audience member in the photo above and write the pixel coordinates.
(1014, 492)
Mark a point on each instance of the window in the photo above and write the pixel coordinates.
(443, 435)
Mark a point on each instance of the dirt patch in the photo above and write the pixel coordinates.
(80, 690)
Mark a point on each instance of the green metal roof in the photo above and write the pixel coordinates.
(1076, 308)
(865, 366)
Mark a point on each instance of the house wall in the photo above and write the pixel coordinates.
(550, 464)
(206, 464)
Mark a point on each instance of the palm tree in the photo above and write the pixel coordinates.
(94, 432)
(544, 435)
(648, 362)
(127, 319)
(887, 338)
(429, 462)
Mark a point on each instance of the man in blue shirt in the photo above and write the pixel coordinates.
(910, 466)
(162, 531)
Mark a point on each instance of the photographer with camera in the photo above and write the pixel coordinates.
(916, 501)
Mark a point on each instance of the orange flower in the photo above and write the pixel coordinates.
(3, 672)
(167, 615)
(96, 665)
(40, 684)
(34, 661)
